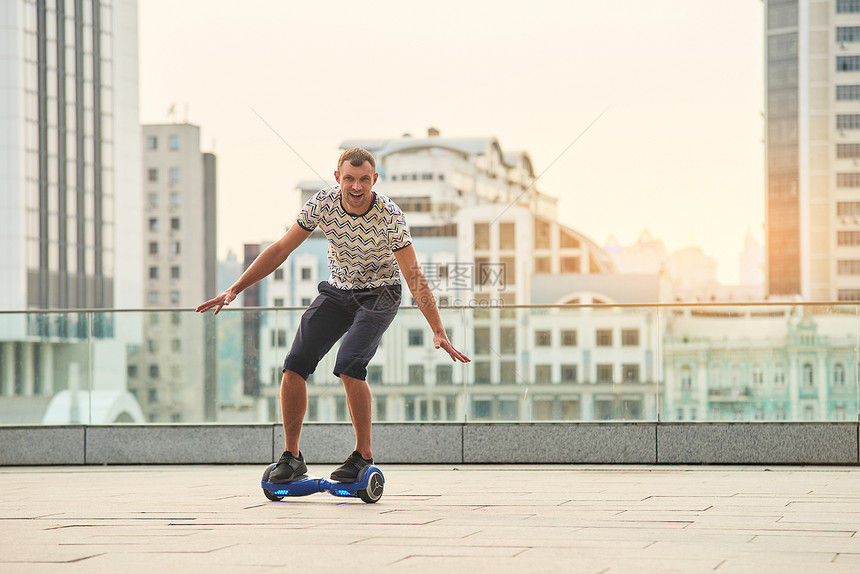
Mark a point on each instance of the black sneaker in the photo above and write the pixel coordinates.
(289, 468)
(348, 471)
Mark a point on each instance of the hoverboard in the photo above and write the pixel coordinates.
(368, 485)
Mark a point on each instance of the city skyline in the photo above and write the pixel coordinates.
(675, 142)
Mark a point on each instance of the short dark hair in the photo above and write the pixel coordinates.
(356, 156)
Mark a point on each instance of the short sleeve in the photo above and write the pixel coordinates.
(398, 231)
(309, 215)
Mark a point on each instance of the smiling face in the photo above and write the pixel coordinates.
(356, 185)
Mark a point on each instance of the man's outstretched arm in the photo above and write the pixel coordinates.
(423, 296)
(270, 259)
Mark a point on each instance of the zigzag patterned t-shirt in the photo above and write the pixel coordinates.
(360, 247)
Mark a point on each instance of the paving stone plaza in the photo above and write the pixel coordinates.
(466, 518)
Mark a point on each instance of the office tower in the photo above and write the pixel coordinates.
(812, 111)
(69, 147)
(69, 204)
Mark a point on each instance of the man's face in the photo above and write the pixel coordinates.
(356, 184)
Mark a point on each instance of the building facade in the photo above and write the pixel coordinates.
(173, 371)
(812, 111)
(69, 174)
(482, 232)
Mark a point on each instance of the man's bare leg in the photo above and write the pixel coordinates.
(294, 403)
(360, 401)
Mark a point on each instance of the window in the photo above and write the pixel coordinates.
(779, 377)
(175, 199)
(306, 273)
(757, 376)
(174, 223)
(848, 93)
(847, 6)
(175, 272)
(279, 274)
(153, 272)
(568, 373)
(508, 371)
(542, 234)
(175, 297)
(543, 338)
(570, 264)
(604, 373)
(839, 375)
(416, 374)
(482, 340)
(543, 373)
(847, 34)
(153, 371)
(847, 121)
(848, 294)
(151, 142)
(306, 301)
(847, 63)
(152, 175)
(173, 143)
(848, 180)
(568, 338)
(686, 378)
(444, 374)
(279, 302)
(152, 345)
(847, 238)
(543, 265)
(630, 337)
(482, 372)
(508, 340)
(568, 240)
(153, 297)
(482, 236)
(152, 199)
(631, 373)
(176, 345)
(416, 337)
(175, 248)
(153, 224)
(807, 376)
(279, 338)
(174, 174)
(848, 267)
(507, 235)
(374, 374)
(604, 338)
(848, 151)
(131, 371)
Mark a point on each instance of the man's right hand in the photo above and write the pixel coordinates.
(218, 302)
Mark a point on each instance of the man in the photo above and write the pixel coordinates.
(369, 247)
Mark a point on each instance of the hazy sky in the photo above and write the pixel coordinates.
(678, 151)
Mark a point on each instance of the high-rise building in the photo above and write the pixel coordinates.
(812, 111)
(173, 371)
(70, 195)
(69, 151)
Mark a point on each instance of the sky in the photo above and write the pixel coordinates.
(675, 86)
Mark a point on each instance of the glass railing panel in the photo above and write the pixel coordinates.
(45, 368)
(760, 363)
(590, 363)
(714, 362)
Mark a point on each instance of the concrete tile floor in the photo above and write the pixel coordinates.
(590, 519)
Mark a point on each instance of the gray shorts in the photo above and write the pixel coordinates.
(362, 315)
